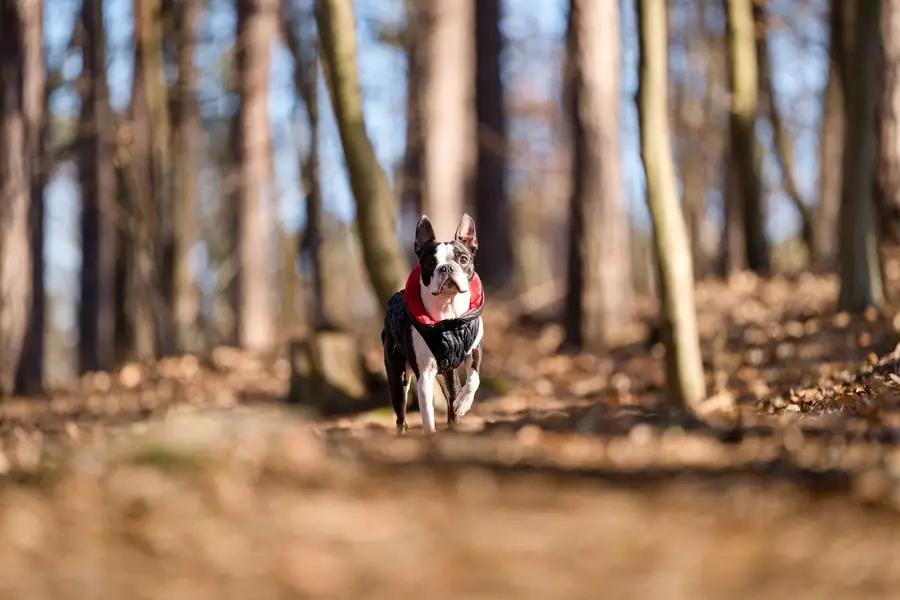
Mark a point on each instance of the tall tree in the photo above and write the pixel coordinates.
(599, 298)
(15, 196)
(684, 368)
(888, 154)
(148, 174)
(859, 259)
(29, 378)
(744, 87)
(376, 208)
(783, 144)
(448, 96)
(97, 177)
(411, 179)
(187, 140)
(831, 144)
(257, 24)
(495, 255)
(304, 50)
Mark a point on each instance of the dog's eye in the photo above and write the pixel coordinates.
(463, 260)
(430, 263)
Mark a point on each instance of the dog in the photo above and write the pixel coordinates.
(434, 325)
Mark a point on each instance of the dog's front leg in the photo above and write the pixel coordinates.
(425, 390)
(467, 395)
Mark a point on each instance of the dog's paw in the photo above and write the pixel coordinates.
(463, 403)
(401, 428)
(466, 397)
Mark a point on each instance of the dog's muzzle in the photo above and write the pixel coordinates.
(449, 278)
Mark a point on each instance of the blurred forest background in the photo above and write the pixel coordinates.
(680, 204)
(180, 174)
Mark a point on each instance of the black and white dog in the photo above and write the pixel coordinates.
(434, 325)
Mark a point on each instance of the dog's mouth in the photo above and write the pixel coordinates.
(449, 287)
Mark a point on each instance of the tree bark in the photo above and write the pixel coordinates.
(306, 80)
(257, 26)
(495, 255)
(15, 196)
(831, 146)
(411, 170)
(376, 208)
(860, 264)
(448, 96)
(30, 375)
(599, 298)
(744, 86)
(783, 145)
(888, 168)
(684, 367)
(99, 210)
(187, 128)
(148, 170)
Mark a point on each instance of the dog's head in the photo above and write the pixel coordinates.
(447, 267)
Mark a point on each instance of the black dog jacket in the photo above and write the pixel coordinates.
(449, 340)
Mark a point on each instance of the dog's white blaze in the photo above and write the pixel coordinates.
(443, 253)
(463, 402)
(427, 366)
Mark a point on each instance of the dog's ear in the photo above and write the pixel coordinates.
(466, 232)
(424, 234)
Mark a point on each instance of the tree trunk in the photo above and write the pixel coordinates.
(684, 368)
(99, 210)
(783, 145)
(376, 208)
(744, 86)
(860, 265)
(29, 378)
(448, 97)
(15, 196)
(187, 128)
(495, 256)
(831, 145)
(888, 168)
(148, 169)
(411, 170)
(306, 80)
(257, 26)
(599, 299)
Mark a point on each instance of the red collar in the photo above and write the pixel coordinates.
(412, 295)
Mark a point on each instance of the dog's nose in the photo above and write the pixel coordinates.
(443, 269)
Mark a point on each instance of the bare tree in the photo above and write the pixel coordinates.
(859, 260)
(411, 179)
(15, 196)
(783, 144)
(831, 145)
(448, 96)
(187, 140)
(495, 255)
(376, 208)
(888, 154)
(257, 26)
(599, 299)
(30, 375)
(96, 171)
(684, 368)
(306, 80)
(744, 86)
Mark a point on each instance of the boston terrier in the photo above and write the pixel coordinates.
(434, 325)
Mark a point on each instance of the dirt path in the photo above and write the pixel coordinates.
(568, 479)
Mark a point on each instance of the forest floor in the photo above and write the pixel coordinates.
(187, 479)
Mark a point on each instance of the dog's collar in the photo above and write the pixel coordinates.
(416, 308)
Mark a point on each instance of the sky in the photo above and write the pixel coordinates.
(541, 23)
